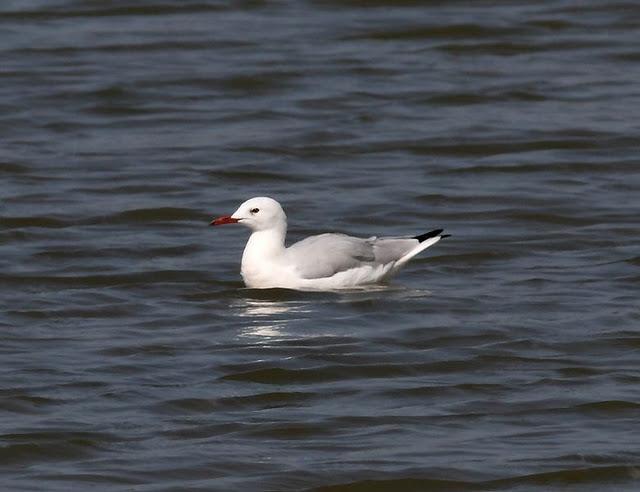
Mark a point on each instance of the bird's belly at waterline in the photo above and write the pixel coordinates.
(277, 276)
(267, 277)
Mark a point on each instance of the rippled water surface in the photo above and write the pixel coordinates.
(504, 358)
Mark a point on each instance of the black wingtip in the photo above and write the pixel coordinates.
(428, 235)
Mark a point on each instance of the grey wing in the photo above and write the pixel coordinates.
(327, 254)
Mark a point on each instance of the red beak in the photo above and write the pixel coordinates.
(225, 219)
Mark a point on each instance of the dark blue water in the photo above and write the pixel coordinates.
(504, 358)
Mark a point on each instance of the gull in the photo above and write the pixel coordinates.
(328, 261)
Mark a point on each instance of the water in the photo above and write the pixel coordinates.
(505, 358)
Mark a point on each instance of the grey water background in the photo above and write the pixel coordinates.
(504, 358)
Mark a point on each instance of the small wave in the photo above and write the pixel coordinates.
(610, 407)
(14, 168)
(507, 48)
(275, 399)
(289, 430)
(38, 221)
(604, 476)
(108, 280)
(26, 404)
(399, 484)
(108, 11)
(454, 31)
(248, 176)
(156, 214)
(35, 447)
(335, 372)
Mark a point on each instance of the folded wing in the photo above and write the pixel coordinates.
(327, 254)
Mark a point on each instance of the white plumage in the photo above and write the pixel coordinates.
(324, 262)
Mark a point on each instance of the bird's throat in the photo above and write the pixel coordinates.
(264, 246)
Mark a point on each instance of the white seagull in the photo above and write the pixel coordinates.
(324, 262)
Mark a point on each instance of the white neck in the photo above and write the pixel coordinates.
(265, 245)
(263, 252)
(267, 242)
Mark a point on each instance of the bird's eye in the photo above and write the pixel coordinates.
(254, 210)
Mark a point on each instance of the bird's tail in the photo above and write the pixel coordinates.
(425, 241)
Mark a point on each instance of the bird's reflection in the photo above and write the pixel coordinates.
(258, 308)
(268, 320)
(274, 315)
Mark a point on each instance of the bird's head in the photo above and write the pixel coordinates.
(258, 214)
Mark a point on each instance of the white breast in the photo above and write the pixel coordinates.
(263, 264)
